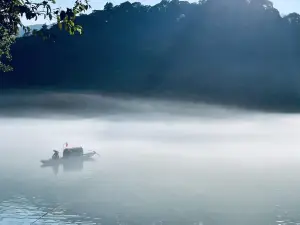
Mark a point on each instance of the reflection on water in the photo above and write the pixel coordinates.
(238, 169)
(76, 165)
(69, 166)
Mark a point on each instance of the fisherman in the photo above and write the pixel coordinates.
(55, 155)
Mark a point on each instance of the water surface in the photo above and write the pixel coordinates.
(161, 163)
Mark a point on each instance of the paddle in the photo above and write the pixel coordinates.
(96, 153)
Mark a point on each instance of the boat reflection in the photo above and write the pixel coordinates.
(70, 165)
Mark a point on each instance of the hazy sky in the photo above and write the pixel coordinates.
(287, 6)
(284, 6)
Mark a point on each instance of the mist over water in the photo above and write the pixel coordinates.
(162, 162)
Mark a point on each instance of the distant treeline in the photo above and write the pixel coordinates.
(230, 51)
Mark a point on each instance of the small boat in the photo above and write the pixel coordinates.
(69, 155)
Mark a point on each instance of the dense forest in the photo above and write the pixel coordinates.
(229, 51)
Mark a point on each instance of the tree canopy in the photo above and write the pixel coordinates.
(232, 51)
(12, 11)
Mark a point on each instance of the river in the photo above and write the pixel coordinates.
(160, 163)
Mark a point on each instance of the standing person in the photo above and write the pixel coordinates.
(55, 155)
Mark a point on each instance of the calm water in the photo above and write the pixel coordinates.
(161, 163)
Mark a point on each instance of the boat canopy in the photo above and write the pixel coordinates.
(76, 151)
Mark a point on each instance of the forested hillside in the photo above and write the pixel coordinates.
(230, 51)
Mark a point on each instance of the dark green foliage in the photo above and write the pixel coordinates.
(234, 51)
(6, 40)
(11, 12)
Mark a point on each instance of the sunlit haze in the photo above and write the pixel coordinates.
(284, 6)
(172, 113)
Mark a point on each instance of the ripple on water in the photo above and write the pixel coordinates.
(20, 210)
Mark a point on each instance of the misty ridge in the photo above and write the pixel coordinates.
(234, 52)
(64, 105)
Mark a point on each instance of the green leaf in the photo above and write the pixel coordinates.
(79, 30)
